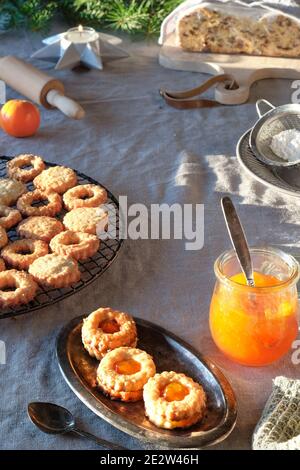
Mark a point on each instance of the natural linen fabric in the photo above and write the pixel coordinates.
(279, 426)
(137, 146)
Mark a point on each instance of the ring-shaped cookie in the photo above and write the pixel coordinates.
(22, 288)
(187, 407)
(84, 195)
(3, 237)
(9, 216)
(55, 271)
(78, 245)
(106, 329)
(16, 170)
(39, 227)
(20, 254)
(56, 178)
(26, 208)
(138, 367)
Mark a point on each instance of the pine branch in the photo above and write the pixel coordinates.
(38, 13)
(131, 16)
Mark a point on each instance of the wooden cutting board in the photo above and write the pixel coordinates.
(246, 69)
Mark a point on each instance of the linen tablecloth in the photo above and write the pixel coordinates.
(137, 146)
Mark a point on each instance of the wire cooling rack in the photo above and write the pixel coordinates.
(90, 268)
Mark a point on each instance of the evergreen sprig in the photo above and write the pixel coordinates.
(130, 16)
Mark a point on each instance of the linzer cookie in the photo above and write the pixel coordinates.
(107, 329)
(173, 400)
(123, 372)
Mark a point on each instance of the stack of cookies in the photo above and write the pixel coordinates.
(172, 400)
(50, 244)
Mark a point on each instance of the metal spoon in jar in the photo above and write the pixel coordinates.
(238, 239)
(54, 419)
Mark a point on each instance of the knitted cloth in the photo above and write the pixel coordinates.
(279, 425)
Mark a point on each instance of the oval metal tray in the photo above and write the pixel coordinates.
(90, 268)
(169, 353)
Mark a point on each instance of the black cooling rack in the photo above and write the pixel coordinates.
(90, 269)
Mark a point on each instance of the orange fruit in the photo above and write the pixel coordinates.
(19, 118)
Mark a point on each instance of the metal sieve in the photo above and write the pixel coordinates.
(269, 124)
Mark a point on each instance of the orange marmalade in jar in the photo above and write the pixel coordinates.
(255, 326)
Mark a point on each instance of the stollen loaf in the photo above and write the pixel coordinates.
(208, 27)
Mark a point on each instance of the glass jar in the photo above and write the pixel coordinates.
(255, 326)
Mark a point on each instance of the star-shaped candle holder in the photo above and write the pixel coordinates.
(80, 46)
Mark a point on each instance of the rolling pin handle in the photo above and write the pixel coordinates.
(66, 105)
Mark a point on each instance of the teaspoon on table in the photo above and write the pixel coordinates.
(54, 419)
(238, 239)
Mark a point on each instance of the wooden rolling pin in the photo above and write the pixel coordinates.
(37, 86)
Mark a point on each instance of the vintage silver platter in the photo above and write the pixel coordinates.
(283, 179)
(169, 353)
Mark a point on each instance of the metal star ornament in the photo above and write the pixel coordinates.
(80, 46)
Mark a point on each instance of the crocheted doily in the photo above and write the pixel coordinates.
(279, 425)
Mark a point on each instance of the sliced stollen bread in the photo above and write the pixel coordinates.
(210, 28)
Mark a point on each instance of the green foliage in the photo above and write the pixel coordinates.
(33, 14)
(128, 16)
(10, 15)
(38, 14)
(158, 10)
(4, 21)
(89, 12)
(131, 16)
